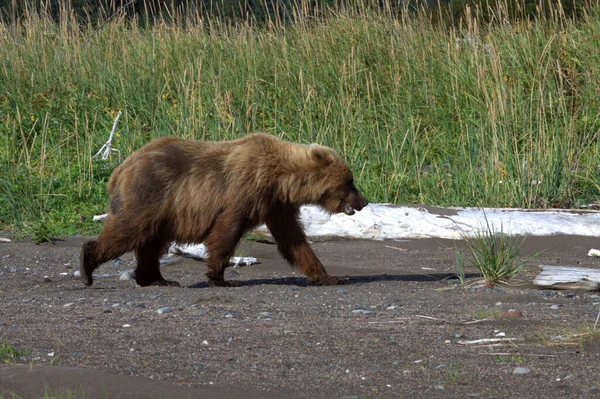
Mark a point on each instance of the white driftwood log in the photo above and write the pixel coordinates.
(568, 278)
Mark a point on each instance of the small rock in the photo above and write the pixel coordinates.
(47, 279)
(199, 366)
(393, 307)
(166, 309)
(521, 370)
(361, 311)
(512, 314)
(498, 303)
(126, 276)
(554, 307)
(439, 387)
(228, 316)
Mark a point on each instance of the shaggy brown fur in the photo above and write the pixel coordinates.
(189, 192)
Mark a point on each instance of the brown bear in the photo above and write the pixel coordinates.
(190, 191)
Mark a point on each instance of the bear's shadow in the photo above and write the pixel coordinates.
(351, 280)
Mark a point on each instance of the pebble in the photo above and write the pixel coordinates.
(586, 390)
(393, 307)
(521, 370)
(126, 276)
(361, 311)
(228, 316)
(166, 309)
(554, 307)
(512, 314)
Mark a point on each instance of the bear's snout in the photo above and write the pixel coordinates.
(355, 202)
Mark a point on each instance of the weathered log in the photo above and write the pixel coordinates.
(568, 278)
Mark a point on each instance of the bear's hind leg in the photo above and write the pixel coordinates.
(221, 242)
(147, 271)
(95, 253)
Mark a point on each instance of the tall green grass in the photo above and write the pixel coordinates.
(498, 114)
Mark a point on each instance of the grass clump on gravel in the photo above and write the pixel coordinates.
(9, 354)
(493, 253)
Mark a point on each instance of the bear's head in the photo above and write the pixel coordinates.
(335, 185)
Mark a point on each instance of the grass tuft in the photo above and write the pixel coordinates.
(494, 254)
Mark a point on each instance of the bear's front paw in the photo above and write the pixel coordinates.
(329, 280)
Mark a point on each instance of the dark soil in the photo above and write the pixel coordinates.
(396, 329)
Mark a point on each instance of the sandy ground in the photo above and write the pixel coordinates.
(396, 329)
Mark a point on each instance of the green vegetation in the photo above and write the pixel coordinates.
(493, 253)
(496, 113)
(9, 354)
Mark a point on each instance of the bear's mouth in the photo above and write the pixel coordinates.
(348, 210)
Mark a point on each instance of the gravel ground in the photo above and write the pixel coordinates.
(396, 329)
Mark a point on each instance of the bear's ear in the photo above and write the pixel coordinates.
(321, 155)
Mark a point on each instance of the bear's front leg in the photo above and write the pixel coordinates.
(286, 229)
